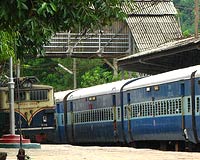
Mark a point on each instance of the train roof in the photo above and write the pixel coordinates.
(171, 76)
(59, 96)
(167, 77)
(34, 86)
(98, 90)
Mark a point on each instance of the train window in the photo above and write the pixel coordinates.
(134, 111)
(182, 89)
(161, 108)
(156, 88)
(189, 104)
(44, 118)
(128, 98)
(173, 107)
(148, 89)
(150, 109)
(118, 113)
(20, 96)
(38, 95)
(112, 115)
(92, 98)
(197, 104)
(156, 108)
(114, 100)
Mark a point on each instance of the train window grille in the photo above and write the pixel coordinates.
(82, 117)
(21, 94)
(178, 106)
(162, 108)
(173, 107)
(112, 114)
(189, 104)
(157, 108)
(151, 108)
(118, 113)
(170, 106)
(38, 95)
(142, 111)
(139, 110)
(197, 104)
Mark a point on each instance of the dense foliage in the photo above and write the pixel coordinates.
(32, 22)
(28, 24)
(186, 14)
(48, 71)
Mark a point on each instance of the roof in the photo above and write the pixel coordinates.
(169, 56)
(107, 88)
(149, 7)
(152, 23)
(114, 87)
(59, 96)
(167, 77)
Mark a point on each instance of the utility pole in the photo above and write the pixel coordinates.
(196, 12)
(11, 89)
(71, 72)
(74, 71)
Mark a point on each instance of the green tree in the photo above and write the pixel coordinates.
(186, 14)
(101, 75)
(48, 71)
(35, 21)
(6, 46)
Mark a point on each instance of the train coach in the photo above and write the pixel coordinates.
(34, 110)
(163, 108)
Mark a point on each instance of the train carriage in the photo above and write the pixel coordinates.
(59, 115)
(163, 108)
(93, 114)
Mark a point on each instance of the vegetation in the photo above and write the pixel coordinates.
(186, 14)
(26, 25)
(31, 23)
(48, 71)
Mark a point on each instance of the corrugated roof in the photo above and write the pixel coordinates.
(153, 23)
(150, 8)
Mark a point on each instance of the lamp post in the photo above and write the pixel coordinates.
(11, 96)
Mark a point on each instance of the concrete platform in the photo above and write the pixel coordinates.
(13, 141)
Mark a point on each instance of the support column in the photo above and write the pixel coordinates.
(11, 91)
(115, 66)
(74, 71)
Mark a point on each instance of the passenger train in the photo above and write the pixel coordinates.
(34, 110)
(163, 108)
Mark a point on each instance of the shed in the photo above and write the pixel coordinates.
(148, 25)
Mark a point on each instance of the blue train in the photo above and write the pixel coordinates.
(163, 108)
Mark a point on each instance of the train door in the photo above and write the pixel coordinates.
(115, 128)
(195, 97)
(128, 110)
(72, 120)
(192, 115)
(70, 123)
(60, 122)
